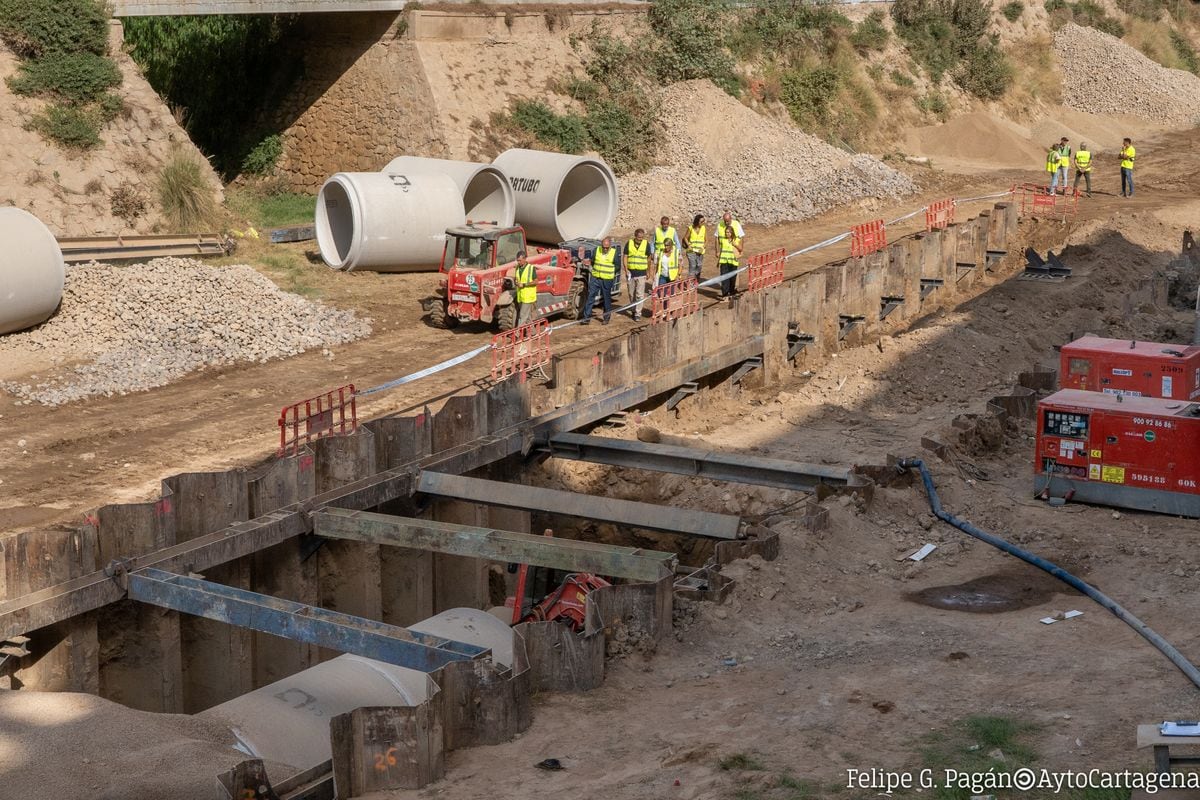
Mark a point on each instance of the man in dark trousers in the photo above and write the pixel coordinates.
(600, 281)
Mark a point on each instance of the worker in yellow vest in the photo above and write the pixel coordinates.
(665, 231)
(526, 280)
(1052, 167)
(695, 235)
(1127, 154)
(666, 263)
(730, 246)
(1083, 167)
(1064, 162)
(637, 262)
(600, 280)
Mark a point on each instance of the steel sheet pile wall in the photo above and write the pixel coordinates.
(152, 659)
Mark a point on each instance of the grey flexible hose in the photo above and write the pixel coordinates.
(1165, 647)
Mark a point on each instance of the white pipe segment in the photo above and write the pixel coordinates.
(287, 722)
(31, 275)
(487, 195)
(386, 222)
(561, 197)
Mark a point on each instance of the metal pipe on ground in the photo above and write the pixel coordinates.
(386, 222)
(561, 197)
(287, 722)
(1166, 648)
(32, 276)
(486, 192)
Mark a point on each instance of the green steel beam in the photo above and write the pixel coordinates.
(631, 563)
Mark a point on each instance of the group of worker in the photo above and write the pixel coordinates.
(649, 262)
(1060, 159)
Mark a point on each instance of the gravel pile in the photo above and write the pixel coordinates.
(141, 326)
(1103, 75)
(719, 154)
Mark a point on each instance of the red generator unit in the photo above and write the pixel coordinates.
(1113, 450)
(1131, 368)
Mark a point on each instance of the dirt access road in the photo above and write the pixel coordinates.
(57, 464)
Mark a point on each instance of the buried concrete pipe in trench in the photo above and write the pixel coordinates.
(486, 192)
(386, 222)
(287, 722)
(561, 197)
(32, 276)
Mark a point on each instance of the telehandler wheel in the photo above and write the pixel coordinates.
(575, 300)
(438, 317)
(506, 317)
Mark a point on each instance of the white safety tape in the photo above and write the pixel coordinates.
(713, 281)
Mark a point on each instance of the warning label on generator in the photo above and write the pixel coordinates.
(1094, 472)
(1112, 474)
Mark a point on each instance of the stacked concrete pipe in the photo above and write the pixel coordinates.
(287, 722)
(31, 275)
(395, 220)
(561, 197)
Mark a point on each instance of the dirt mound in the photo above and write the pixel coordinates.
(74, 193)
(718, 154)
(57, 752)
(145, 325)
(1103, 75)
(979, 136)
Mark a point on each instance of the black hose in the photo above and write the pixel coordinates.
(1165, 647)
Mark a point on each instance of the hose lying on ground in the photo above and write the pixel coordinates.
(1165, 647)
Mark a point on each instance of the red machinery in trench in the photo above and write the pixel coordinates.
(567, 603)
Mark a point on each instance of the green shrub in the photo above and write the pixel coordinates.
(566, 133)
(808, 92)
(1187, 54)
(74, 77)
(623, 133)
(1093, 15)
(184, 193)
(1148, 10)
(986, 73)
(110, 106)
(900, 79)
(70, 126)
(1013, 11)
(934, 103)
(35, 28)
(689, 42)
(1056, 5)
(787, 28)
(265, 155)
(583, 90)
(871, 33)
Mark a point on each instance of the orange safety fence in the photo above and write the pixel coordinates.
(333, 413)
(939, 215)
(1038, 201)
(520, 350)
(765, 270)
(674, 300)
(868, 238)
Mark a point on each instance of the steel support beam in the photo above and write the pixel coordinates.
(631, 563)
(605, 509)
(688, 461)
(296, 621)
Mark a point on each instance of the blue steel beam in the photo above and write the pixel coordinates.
(299, 622)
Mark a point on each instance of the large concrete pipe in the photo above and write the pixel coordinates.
(561, 197)
(487, 195)
(386, 222)
(287, 722)
(31, 275)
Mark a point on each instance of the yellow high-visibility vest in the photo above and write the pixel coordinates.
(696, 237)
(637, 257)
(1083, 161)
(1127, 154)
(603, 261)
(671, 264)
(738, 233)
(1064, 157)
(527, 274)
(729, 253)
(1052, 161)
(660, 236)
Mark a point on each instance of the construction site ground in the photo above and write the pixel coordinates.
(839, 654)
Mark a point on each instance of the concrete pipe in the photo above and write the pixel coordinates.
(487, 195)
(31, 277)
(561, 197)
(386, 222)
(287, 722)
